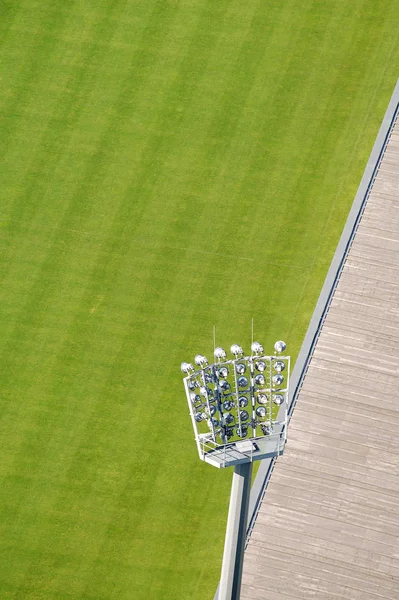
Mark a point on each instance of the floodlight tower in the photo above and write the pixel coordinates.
(238, 408)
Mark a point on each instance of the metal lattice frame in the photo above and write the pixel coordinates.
(238, 407)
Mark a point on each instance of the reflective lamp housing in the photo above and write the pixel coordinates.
(238, 406)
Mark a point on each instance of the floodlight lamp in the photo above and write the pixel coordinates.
(224, 385)
(223, 372)
(262, 399)
(228, 419)
(277, 380)
(266, 430)
(201, 360)
(280, 346)
(244, 416)
(243, 401)
(241, 368)
(242, 382)
(195, 398)
(279, 366)
(228, 432)
(213, 422)
(219, 353)
(236, 350)
(199, 417)
(278, 399)
(260, 365)
(257, 348)
(261, 412)
(193, 384)
(212, 410)
(228, 404)
(242, 431)
(187, 368)
(260, 380)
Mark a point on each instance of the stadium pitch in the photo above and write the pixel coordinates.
(167, 166)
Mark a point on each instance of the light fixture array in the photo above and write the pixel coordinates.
(233, 399)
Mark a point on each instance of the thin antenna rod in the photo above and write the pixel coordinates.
(252, 330)
(214, 337)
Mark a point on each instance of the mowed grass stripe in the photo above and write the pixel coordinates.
(53, 263)
(83, 107)
(33, 569)
(187, 178)
(78, 207)
(103, 256)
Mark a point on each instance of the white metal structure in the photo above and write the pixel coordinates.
(238, 409)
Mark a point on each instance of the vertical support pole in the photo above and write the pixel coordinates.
(234, 546)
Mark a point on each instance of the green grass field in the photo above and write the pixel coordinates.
(167, 166)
